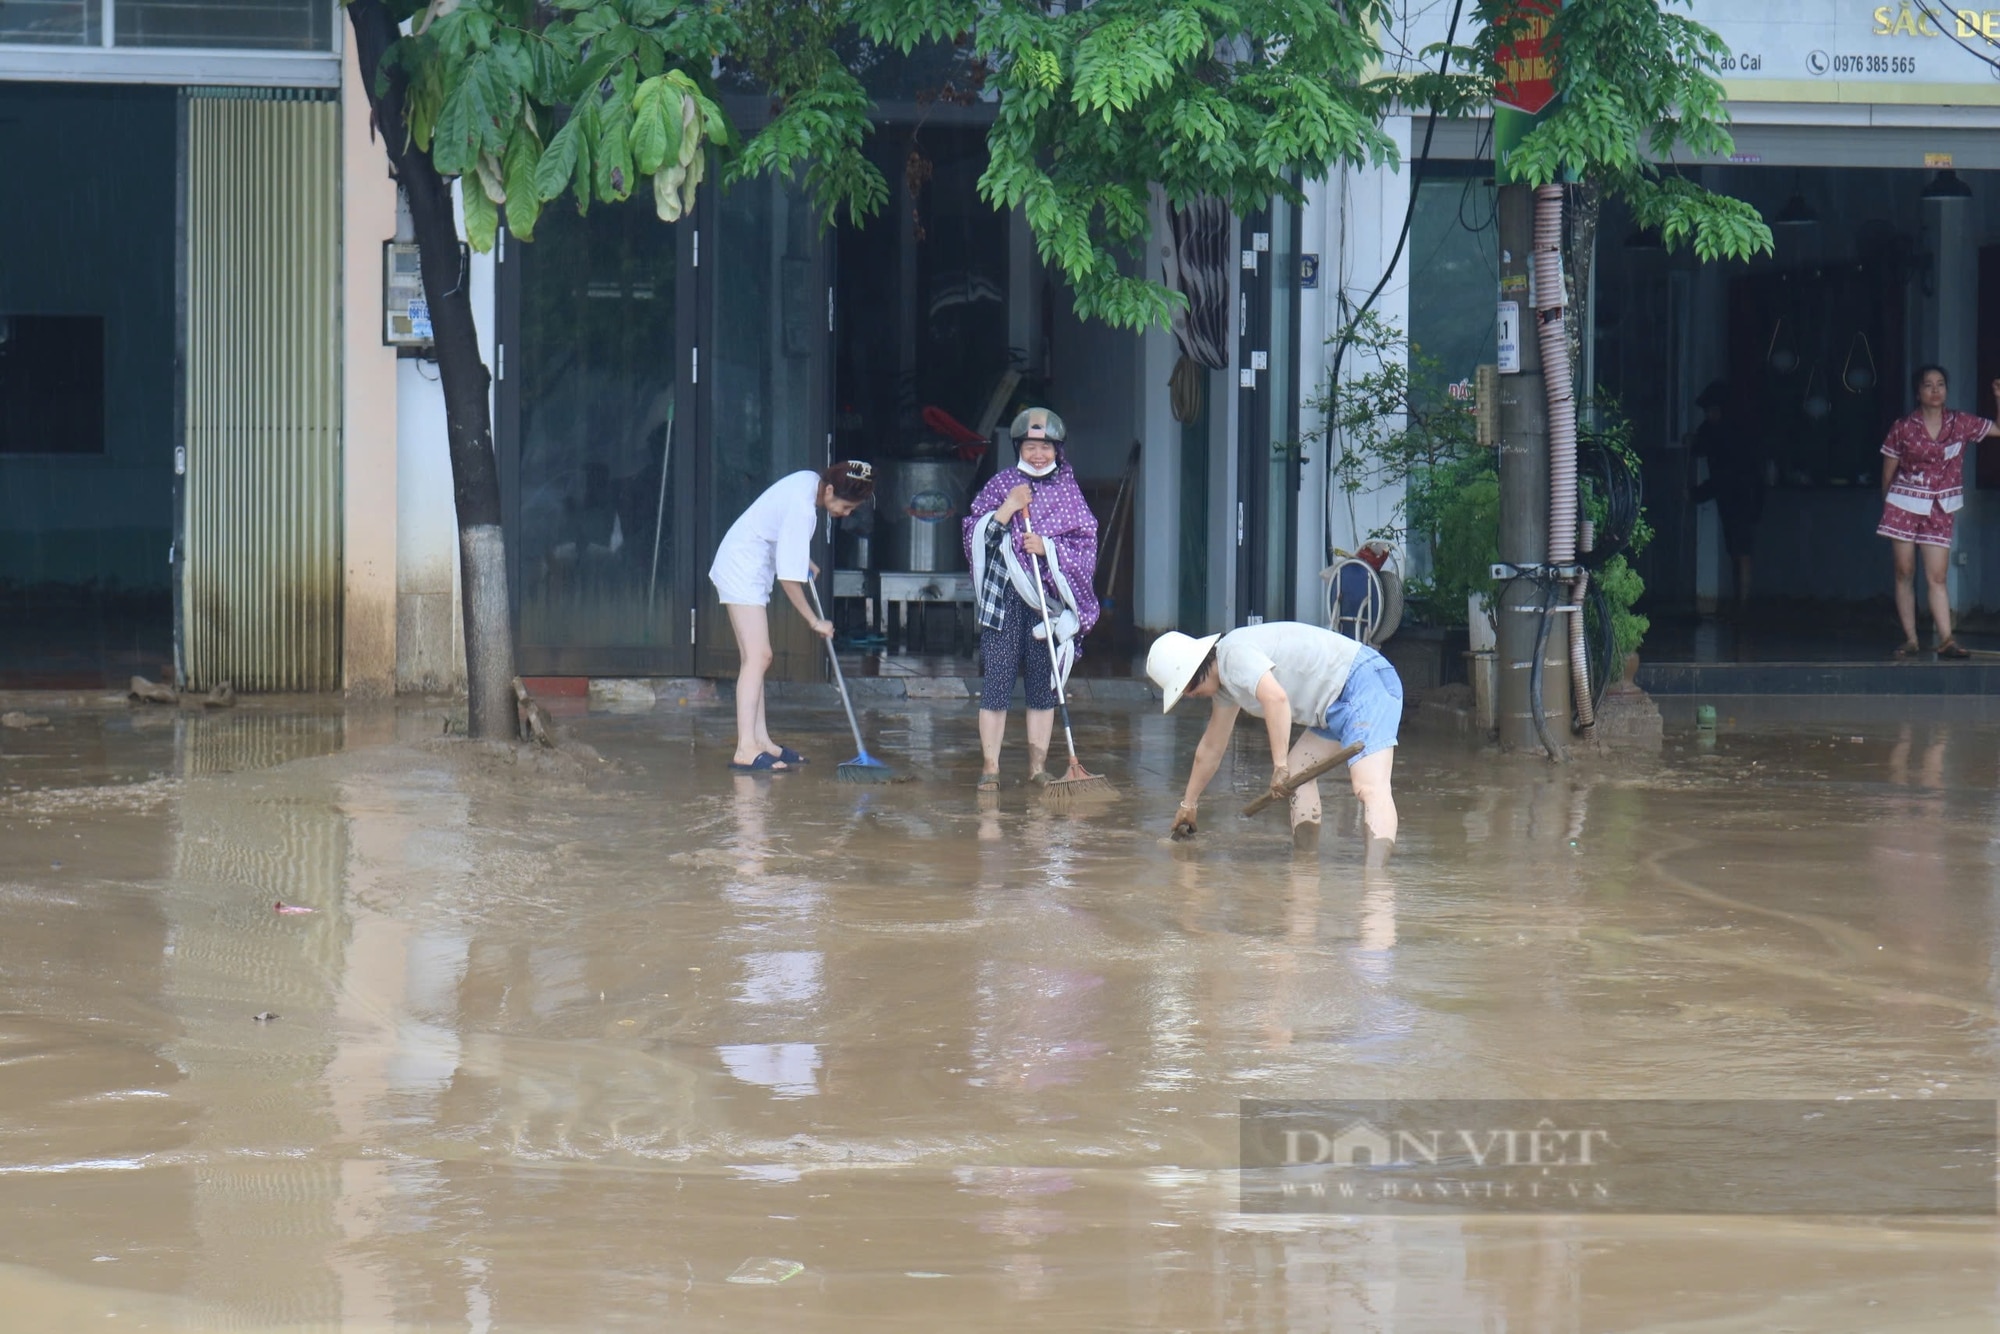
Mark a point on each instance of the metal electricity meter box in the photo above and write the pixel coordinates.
(406, 312)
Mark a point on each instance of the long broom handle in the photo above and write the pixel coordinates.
(1049, 632)
(1307, 775)
(838, 679)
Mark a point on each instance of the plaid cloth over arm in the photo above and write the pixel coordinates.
(992, 590)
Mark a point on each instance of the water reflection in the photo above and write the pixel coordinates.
(791, 979)
(788, 1069)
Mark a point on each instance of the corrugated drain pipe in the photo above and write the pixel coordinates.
(1556, 378)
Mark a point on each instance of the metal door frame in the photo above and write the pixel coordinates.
(1261, 268)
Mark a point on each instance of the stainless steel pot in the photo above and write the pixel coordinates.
(920, 512)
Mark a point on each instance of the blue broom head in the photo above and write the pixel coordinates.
(863, 768)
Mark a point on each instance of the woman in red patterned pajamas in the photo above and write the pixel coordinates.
(1923, 469)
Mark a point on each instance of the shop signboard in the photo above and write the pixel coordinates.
(1912, 51)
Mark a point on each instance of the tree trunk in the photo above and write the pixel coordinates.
(475, 476)
(1586, 209)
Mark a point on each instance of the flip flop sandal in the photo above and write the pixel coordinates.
(763, 764)
(1951, 648)
(790, 756)
(1910, 650)
(988, 783)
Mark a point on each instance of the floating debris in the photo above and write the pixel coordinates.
(152, 692)
(766, 1271)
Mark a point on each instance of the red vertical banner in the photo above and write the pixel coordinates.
(1526, 87)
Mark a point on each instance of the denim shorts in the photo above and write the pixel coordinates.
(1370, 707)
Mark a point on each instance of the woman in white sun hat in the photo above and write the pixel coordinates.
(1286, 672)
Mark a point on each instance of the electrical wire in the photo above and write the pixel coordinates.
(1410, 211)
(1957, 41)
(1622, 490)
(1550, 595)
(1619, 485)
(1465, 197)
(1600, 641)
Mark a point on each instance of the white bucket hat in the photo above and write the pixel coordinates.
(1172, 662)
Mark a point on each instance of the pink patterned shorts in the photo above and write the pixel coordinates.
(1926, 530)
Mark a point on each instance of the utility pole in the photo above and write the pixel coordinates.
(1521, 97)
(1524, 495)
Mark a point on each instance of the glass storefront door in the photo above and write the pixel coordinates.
(597, 437)
(763, 360)
(654, 380)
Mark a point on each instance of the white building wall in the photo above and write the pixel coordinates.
(1317, 318)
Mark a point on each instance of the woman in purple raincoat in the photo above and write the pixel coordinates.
(1033, 509)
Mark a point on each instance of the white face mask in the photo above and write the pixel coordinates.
(1033, 471)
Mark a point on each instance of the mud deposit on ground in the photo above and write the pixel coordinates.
(580, 1046)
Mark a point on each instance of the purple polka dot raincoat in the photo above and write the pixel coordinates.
(1061, 519)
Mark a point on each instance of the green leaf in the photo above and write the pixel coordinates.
(652, 57)
(524, 197)
(482, 219)
(477, 108)
(611, 167)
(656, 125)
(586, 141)
(558, 161)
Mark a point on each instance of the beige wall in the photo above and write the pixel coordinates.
(368, 403)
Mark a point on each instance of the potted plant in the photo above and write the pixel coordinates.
(1394, 423)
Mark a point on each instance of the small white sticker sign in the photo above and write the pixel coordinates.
(1510, 338)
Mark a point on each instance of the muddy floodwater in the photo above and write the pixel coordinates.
(578, 1046)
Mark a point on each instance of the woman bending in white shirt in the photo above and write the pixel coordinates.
(773, 540)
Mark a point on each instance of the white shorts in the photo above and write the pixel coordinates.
(746, 588)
